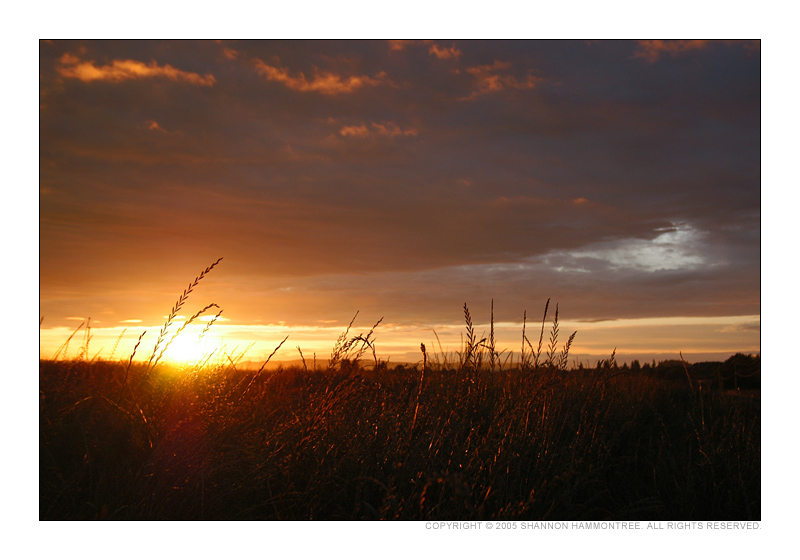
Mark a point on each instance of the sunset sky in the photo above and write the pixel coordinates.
(401, 179)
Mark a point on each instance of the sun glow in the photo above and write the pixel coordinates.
(189, 349)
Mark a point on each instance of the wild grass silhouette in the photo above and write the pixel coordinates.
(464, 437)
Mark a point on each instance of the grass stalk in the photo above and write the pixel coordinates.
(114, 349)
(541, 337)
(64, 347)
(174, 313)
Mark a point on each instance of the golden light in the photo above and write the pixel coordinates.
(188, 348)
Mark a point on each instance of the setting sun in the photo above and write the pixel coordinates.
(188, 349)
(191, 344)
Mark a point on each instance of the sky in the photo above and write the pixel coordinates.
(401, 180)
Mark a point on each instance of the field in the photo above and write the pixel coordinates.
(360, 441)
(468, 436)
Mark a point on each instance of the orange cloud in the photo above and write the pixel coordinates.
(323, 82)
(381, 129)
(399, 44)
(651, 51)
(230, 53)
(153, 125)
(71, 66)
(441, 53)
(354, 131)
(392, 130)
(444, 53)
(494, 77)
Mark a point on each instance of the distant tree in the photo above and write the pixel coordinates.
(671, 369)
(741, 371)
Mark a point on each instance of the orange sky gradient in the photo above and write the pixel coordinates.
(621, 179)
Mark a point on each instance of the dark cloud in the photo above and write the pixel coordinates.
(623, 178)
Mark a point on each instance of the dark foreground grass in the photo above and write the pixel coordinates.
(352, 444)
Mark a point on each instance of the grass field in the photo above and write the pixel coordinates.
(356, 443)
(469, 436)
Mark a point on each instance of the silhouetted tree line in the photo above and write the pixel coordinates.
(740, 371)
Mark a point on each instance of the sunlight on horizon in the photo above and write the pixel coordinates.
(188, 348)
(634, 338)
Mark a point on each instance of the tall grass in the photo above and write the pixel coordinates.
(162, 344)
(348, 350)
(395, 444)
(129, 440)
